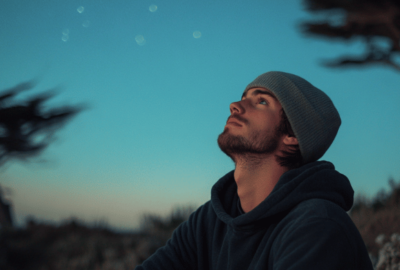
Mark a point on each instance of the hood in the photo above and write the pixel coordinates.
(316, 180)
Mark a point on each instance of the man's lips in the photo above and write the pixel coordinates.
(234, 122)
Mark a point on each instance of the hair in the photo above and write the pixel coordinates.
(291, 157)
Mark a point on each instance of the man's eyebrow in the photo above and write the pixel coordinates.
(260, 91)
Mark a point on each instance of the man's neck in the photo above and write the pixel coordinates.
(256, 177)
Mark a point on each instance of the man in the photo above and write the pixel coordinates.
(280, 208)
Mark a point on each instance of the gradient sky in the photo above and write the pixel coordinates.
(159, 95)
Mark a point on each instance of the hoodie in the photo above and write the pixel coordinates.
(302, 224)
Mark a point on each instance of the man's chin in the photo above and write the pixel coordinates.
(237, 145)
(229, 143)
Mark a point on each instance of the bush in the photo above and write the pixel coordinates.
(74, 244)
(377, 215)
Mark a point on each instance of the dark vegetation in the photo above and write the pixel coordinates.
(76, 245)
(377, 216)
(26, 128)
(376, 23)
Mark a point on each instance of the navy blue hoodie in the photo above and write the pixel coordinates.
(302, 224)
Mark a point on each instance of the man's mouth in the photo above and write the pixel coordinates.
(234, 121)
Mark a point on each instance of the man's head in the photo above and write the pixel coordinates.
(295, 113)
(252, 128)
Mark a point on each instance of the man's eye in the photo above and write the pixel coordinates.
(262, 101)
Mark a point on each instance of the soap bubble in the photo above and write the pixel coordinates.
(140, 40)
(65, 38)
(86, 23)
(196, 34)
(80, 9)
(65, 32)
(153, 8)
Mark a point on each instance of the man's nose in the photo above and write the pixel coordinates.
(236, 107)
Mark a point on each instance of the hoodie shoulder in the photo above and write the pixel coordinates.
(320, 209)
(326, 211)
(319, 232)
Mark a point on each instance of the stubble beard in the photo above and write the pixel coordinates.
(248, 149)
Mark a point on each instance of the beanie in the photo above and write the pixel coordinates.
(311, 113)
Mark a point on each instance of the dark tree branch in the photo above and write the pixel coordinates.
(26, 128)
(365, 19)
(361, 61)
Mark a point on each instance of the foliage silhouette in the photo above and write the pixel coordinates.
(159, 229)
(375, 22)
(75, 244)
(378, 215)
(26, 129)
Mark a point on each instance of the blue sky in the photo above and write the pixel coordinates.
(149, 140)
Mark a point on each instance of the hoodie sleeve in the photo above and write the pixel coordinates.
(319, 243)
(178, 253)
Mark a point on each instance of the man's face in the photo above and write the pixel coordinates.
(252, 127)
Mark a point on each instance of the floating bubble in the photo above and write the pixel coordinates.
(140, 40)
(196, 34)
(153, 8)
(65, 38)
(65, 32)
(86, 23)
(80, 9)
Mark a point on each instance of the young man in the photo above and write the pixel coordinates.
(280, 208)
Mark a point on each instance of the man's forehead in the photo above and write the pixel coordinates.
(258, 90)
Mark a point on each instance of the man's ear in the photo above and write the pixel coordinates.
(290, 140)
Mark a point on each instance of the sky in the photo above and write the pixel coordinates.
(158, 78)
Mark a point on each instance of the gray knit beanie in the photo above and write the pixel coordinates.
(311, 113)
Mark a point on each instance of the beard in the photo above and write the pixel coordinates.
(239, 147)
